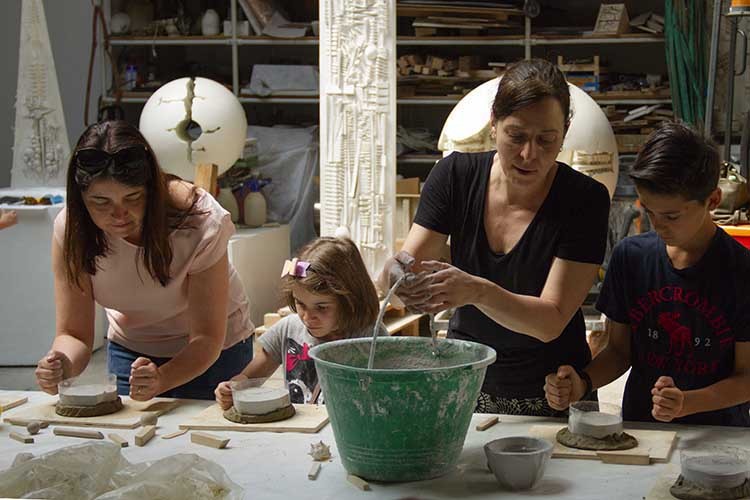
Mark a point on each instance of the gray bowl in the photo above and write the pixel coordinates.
(518, 462)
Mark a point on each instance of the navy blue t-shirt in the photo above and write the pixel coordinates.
(684, 323)
(570, 224)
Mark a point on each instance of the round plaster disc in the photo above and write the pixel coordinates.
(715, 470)
(259, 400)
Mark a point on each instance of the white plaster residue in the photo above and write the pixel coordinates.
(359, 406)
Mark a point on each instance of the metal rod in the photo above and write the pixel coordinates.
(527, 38)
(730, 88)
(235, 55)
(716, 25)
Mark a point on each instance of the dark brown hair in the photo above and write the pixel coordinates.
(527, 82)
(336, 268)
(84, 242)
(677, 160)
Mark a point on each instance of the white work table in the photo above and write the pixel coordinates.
(270, 466)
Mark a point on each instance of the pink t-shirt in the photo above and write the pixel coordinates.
(151, 319)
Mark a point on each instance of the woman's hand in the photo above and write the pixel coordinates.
(50, 371)
(223, 392)
(412, 290)
(145, 380)
(447, 286)
(668, 400)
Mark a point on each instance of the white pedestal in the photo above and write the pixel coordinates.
(258, 255)
(27, 302)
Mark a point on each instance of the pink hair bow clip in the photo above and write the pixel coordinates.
(296, 268)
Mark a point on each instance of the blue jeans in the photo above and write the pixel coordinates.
(231, 362)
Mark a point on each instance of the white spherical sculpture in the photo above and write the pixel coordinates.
(589, 146)
(191, 121)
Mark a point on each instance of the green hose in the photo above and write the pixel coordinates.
(685, 41)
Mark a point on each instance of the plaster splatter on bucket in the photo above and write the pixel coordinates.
(406, 418)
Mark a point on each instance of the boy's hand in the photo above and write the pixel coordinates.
(668, 400)
(50, 371)
(145, 380)
(563, 387)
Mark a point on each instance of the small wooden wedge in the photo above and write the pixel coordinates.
(207, 439)
(144, 435)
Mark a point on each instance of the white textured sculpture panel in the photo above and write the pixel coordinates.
(40, 146)
(358, 129)
(190, 121)
(590, 145)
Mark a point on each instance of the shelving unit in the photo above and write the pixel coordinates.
(430, 110)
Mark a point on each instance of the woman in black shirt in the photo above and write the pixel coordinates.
(527, 236)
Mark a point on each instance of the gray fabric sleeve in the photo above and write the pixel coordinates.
(273, 340)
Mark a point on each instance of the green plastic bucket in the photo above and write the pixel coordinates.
(405, 419)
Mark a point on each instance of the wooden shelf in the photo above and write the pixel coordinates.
(418, 158)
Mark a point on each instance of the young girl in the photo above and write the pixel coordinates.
(333, 297)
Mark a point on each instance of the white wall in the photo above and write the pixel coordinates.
(69, 25)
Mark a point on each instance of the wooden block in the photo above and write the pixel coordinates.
(468, 63)
(314, 471)
(117, 439)
(407, 186)
(424, 31)
(8, 403)
(487, 423)
(205, 177)
(270, 319)
(21, 438)
(207, 439)
(358, 482)
(437, 62)
(77, 433)
(174, 434)
(609, 457)
(144, 435)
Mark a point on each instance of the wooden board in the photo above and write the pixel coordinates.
(127, 418)
(8, 402)
(309, 419)
(653, 446)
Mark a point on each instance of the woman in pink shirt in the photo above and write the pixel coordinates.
(152, 250)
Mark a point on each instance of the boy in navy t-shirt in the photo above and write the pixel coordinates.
(677, 300)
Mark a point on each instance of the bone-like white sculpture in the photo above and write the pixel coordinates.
(358, 124)
(40, 146)
(190, 121)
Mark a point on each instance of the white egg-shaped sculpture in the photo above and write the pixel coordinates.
(191, 121)
(589, 146)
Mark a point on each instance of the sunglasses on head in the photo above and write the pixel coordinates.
(131, 161)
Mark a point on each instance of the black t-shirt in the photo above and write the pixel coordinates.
(571, 224)
(684, 323)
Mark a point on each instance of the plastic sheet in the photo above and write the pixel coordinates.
(289, 157)
(99, 471)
